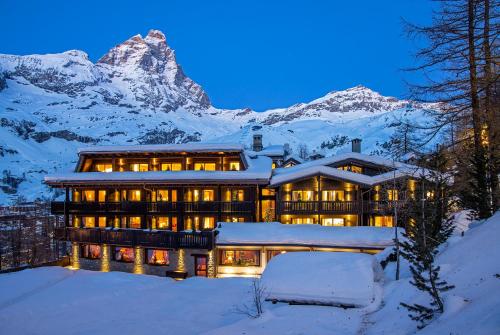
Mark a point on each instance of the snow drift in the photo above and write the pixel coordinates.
(331, 278)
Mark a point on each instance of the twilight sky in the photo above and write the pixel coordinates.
(258, 54)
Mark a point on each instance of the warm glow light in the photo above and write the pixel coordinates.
(105, 265)
(181, 260)
(138, 260)
(75, 256)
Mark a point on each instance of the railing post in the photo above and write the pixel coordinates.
(66, 208)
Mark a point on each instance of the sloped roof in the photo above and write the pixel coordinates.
(185, 147)
(320, 167)
(258, 171)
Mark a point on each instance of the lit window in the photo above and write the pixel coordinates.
(124, 255)
(429, 195)
(88, 221)
(208, 223)
(273, 165)
(234, 166)
(89, 195)
(332, 221)
(104, 167)
(77, 196)
(302, 195)
(162, 195)
(91, 251)
(171, 166)
(234, 195)
(337, 195)
(162, 222)
(208, 195)
(392, 195)
(306, 220)
(134, 195)
(157, 257)
(383, 221)
(101, 195)
(240, 257)
(135, 222)
(102, 222)
(268, 191)
(205, 166)
(139, 167)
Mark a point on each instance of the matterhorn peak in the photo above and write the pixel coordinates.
(154, 34)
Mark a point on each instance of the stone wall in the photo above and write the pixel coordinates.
(179, 260)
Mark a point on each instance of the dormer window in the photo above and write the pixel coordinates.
(139, 167)
(205, 166)
(234, 166)
(171, 166)
(103, 167)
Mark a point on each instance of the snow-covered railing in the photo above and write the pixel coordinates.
(139, 237)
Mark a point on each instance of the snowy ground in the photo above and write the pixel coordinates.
(61, 301)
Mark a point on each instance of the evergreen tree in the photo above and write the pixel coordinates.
(429, 226)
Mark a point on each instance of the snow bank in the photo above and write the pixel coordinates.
(320, 277)
(269, 233)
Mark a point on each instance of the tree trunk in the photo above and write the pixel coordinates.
(491, 110)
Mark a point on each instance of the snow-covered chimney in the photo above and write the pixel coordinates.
(257, 142)
(356, 145)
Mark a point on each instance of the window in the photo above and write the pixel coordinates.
(77, 196)
(101, 195)
(302, 195)
(208, 195)
(268, 192)
(356, 169)
(162, 195)
(89, 195)
(268, 210)
(273, 166)
(124, 255)
(157, 257)
(332, 221)
(305, 220)
(134, 222)
(104, 167)
(88, 221)
(234, 219)
(208, 222)
(102, 222)
(383, 221)
(134, 195)
(234, 195)
(392, 195)
(234, 166)
(139, 167)
(91, 251)
(205, 166)
(171, 166)
(162, 222)
(429, 195)
(240, 257)
(337, 195)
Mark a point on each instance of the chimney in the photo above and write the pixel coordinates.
(257, 142)
(356, 145)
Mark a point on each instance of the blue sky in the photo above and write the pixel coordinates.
(257, 54)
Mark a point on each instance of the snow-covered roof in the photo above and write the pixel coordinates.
(258, 171)
(186, 147)
(320, 166)
(270, 151)
(275, 233)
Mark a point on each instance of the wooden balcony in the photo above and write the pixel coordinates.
(382, 207)
(138, 237)
(318, 207)
(140, 207)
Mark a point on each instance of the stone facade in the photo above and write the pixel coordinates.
(179, 260)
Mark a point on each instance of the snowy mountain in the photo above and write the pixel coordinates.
(137, 93)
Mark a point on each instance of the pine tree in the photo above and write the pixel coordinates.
(429, 227)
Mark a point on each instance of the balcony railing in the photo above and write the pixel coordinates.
(306, 207)
(381, 207)
(137, 237)
(141, 207)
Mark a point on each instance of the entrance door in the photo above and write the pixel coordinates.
(200, 265)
